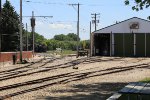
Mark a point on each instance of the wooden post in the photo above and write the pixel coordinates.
(90, 41)
(145, 45)
(123, 45)
(111, 44)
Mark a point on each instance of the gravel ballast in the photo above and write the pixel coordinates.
(94, 78)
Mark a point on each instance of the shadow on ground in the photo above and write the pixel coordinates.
(99, 91)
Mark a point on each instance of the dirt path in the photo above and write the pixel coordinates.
(55, 79)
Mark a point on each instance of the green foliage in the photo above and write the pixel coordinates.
(39, 39)
(72, 37)
(40, 42)
(139, 4)
(146, 80)
(85, 44)
(9, 28)
(56, 42)
(67, 52)
(60, 37)
(69, 37)
(10, 35)
(67, 42)
(52, 44)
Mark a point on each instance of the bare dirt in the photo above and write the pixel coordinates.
(68, 78)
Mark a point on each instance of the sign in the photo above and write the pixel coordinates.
(134, 25)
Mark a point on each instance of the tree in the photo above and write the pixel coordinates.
(85, 44)
(60, 37)
(52, 44)
(72, 36)
(140, 4)
(40, 42)
(9, 28)
(69, 37)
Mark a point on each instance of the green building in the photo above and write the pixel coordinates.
(130, 38)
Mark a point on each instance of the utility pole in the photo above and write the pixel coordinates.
(78, 25)
(27, 37)
(95, 21)
(78, 32)
(90, 40)
(33, 32)
(21, 31)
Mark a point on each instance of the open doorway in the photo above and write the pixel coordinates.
(102, 44)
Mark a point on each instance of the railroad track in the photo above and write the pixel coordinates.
(29, 67)
(23, 71)
(74, 75)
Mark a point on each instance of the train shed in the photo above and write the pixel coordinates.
(130, 38)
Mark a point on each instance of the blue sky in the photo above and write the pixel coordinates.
(65, 16)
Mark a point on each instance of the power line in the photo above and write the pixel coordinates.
(60, 3)
(73, 5)
(40, 16)
(47, 3)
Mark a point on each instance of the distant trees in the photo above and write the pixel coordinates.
(9, 28)
(68, 37)
(68, 42)
(40, 42)
(63, 41)
(60, 37)
(10, 32)
(72, 37)
(11, 37)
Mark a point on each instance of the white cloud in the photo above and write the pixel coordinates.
(39, 23)
(60, 26)
(54, 26)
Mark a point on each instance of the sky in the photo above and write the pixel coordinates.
(64, 19)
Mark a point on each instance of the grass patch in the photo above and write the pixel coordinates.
(67, 52)
(146, 80)
(64, 52)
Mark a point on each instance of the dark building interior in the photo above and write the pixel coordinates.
(102, 44)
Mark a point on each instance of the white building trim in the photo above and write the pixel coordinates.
(125, 26)
(113, 45)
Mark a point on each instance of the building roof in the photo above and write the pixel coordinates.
(132, 25)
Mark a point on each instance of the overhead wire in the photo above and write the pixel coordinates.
(60, 3)
(42, 19)
(52, 3)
